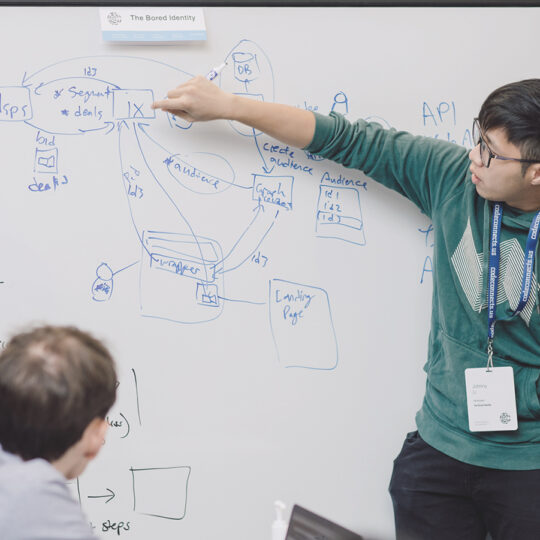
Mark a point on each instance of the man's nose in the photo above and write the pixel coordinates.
(474, 155)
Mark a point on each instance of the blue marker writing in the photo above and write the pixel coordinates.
(215, 72)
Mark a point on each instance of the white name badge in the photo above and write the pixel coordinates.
(491, 399)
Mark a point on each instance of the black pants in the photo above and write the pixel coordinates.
(436, 497)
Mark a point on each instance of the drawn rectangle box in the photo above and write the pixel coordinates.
(329, 218)
(179, 281)
(133, 104)
(207, 295)
(46, 161)
(275, 190)
(302, 326)
(180, 265)
(181, 255)
(15, 105)
(161, 492)
(339, 215)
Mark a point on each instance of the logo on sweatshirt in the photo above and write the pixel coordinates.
(468, 265)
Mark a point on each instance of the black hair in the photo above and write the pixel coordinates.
(515, 108)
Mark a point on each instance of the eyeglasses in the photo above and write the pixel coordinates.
(486, 155)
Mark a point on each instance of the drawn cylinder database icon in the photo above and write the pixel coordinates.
(246, 68)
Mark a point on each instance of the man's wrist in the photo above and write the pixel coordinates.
(239, 108)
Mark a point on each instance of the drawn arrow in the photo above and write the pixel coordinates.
(265, 166)
(221, 268)
(121, 125)
(242, 301)
(171, 155)
(23, 82)
(141, 126)
(110, 496)
(110, 125)
(259, 205)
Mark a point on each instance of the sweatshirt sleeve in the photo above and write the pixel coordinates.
(427, 171)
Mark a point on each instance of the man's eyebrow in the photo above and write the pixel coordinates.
(489, 142)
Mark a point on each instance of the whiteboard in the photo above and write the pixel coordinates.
(269, 311)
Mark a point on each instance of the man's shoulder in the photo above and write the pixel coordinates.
(33, 497)
(25, 484)
(16, 474)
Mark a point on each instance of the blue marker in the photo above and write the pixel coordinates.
(215, 72)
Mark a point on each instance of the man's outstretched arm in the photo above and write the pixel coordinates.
(200, 100)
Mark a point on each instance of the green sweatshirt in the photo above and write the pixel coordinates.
(435, 176)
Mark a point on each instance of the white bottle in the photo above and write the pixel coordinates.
(279, 527)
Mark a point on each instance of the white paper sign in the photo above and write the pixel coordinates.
(491, 399)
(152, 24)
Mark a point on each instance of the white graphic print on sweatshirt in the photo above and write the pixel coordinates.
(468, 265)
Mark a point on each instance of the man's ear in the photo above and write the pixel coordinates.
(94, 437)
(534, 174)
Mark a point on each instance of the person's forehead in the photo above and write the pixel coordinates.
(497, 140)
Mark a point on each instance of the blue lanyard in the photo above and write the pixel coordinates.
(493, 271)
(494, 260)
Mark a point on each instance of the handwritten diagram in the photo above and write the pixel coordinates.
(190, 270)
(150, 485)
(183, 271)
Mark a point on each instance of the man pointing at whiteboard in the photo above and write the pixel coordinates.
(473, 466)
